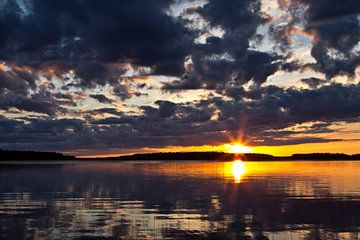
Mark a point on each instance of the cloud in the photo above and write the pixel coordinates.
(213, 74)
(88, 44)
(16, 78)
(38, 103)
(228, 59)
(101, 98)
(334, 27)
(55, 55)
(136, 31)
(313, 82)
(278, 117)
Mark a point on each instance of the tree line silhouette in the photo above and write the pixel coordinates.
(222, 156)
(9, 155)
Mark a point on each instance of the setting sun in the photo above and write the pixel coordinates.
(237, 148)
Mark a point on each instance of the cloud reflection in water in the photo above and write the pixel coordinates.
(180, 200)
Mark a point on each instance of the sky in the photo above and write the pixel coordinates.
(91, 78)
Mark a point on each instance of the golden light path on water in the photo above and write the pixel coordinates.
(238, 169)
(338, 175)
(99, 202)
(341, 179)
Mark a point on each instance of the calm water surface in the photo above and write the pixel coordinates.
(180, 200)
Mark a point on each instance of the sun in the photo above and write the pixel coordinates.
(237, 148)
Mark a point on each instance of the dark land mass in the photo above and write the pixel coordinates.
(7, 155)
(221, 156)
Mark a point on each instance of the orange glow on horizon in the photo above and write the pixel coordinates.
(349, 147)
(237, 148)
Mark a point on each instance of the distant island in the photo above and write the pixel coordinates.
(8, 155)
(222, 156)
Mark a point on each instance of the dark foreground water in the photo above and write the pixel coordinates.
(180, 200)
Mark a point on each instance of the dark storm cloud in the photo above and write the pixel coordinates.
(212, 74)
(313, 82)
(85, 44)
(274, 118)
(8, 126)
(85, 36)
(91, 40)
(122, 91)
(85, 30)
(92, 74)
(112, 111)
(45, 134)
(114, 121)
(163, 126)
(274, 105)
(228, 59)
(275, 108)
(19, 79)
(336, 30)
(101, 98)
(38, 103)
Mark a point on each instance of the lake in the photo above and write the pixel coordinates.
(180, 200)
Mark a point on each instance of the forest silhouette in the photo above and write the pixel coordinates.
(10, 155)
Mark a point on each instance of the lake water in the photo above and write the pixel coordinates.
(180, 200)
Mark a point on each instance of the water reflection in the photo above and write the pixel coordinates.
(180, 200)
(238, 169)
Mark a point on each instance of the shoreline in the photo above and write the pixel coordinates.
(21, 156)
